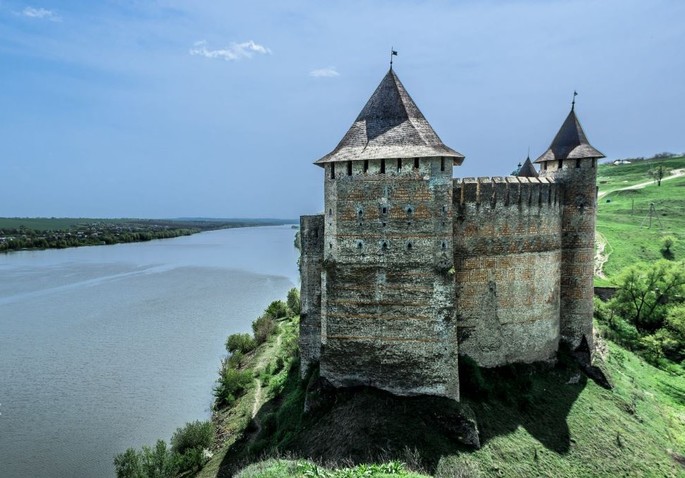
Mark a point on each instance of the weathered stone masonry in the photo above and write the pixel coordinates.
(409, 268)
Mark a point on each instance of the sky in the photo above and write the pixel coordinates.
(170, 108)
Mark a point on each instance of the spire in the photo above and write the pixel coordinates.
(570, 142)
(390, 126)
(527, 170)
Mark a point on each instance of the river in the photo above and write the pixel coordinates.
(107, 347)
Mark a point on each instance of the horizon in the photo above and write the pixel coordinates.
(120, 109)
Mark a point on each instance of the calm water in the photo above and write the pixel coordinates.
(102, 348)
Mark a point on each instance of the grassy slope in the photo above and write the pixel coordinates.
(561, 430)
(621, 213)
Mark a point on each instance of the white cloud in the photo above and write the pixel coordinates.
(233, 52)
(41, 13)
(329, 72)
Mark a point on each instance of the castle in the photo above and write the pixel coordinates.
(408, 268)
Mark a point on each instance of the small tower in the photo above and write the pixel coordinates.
(572, 162)
(387, 293)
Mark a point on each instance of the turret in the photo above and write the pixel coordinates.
(387, 295)
(572, 161)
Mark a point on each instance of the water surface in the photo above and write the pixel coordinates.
(102, 348)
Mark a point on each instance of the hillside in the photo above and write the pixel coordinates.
(623, 215)
(533, 422)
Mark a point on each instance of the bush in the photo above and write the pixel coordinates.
(240, 343)
(232, 384)
(277, 310)
(195, 434)
(129, 464)
(263, 328)
(159, 462)
(293, 301)
(646, 291)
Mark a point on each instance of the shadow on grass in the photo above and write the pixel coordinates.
(362, 425)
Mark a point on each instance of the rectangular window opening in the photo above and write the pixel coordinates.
(594, 163)
(442, 164)
(382, 166)
(366, 165)
(399, 164)
(577, 163)
(416, 163)
(544, 166)
(349, 168)
(332, 170)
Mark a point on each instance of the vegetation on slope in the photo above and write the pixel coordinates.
(623, 214)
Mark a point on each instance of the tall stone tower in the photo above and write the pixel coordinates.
(572, 161)
(387, 286)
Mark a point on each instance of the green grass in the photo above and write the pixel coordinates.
(622, 216)
(610, 177)
(554, 427)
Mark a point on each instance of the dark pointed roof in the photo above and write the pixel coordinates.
(570, 143)
(527, 170)
(390, 126)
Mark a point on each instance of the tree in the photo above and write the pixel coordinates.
(294, 301)
(645, 290)
(658, 174)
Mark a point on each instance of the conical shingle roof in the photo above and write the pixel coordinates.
(527, 170)
(570, 143)
(390, 126)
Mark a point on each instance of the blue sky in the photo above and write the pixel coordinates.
(133, 108)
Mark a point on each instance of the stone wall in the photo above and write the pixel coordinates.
(387, 298)
(578, 181)
(311, 258)
(507, 252)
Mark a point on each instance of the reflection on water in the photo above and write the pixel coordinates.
(102, 348)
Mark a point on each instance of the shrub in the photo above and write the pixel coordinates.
(277, 310)
(240, 343)
(293, 301)
(129, 464)
(195, 434)
(158, 462)
(645, 292)
(263, 327)
(232, 384)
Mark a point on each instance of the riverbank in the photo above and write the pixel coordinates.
(59, 233)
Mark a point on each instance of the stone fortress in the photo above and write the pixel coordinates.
(408, 268)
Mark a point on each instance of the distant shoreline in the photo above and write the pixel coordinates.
(27, 234)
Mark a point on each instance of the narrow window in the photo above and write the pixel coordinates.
(349, 168)
(330, 245)
(332, 170)
(360, 245)
(409, 246)
(544, 166)
(330, 212)
(443, 245)
(382, 166)
(384, 246)
(444, 209)
(360, 213)
(409, 211)
(416, 163)
(442, 164)
(561, 163)
(385, 210)
(366, 165)
(594, 163)
(577, 163)
(399, 164)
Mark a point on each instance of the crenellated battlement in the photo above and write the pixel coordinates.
(506, 191)
(408, 269)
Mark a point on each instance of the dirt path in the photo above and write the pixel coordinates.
(676, 173)
(601, 256)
